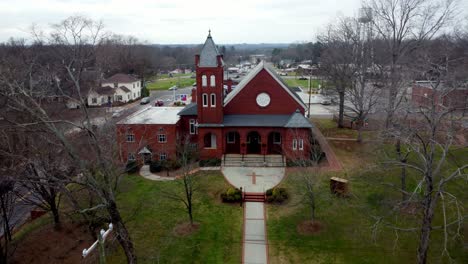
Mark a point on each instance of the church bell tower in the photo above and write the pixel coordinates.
(210, 90)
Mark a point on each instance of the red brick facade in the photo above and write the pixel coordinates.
(424, 95)
(208, 128)
(132, 138)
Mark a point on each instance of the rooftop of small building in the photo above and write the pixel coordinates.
(120, 78)
(154, 115)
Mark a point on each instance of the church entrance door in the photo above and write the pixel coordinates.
(253, 143)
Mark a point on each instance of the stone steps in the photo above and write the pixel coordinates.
(254, 197)
(253, 160)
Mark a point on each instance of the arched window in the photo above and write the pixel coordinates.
(205, 100)
(212, 81)
(213, 100)
(209, 140)
(204, 81)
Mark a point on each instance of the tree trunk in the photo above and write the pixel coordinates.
(359, 131)
(429, 203)
(341, 109)
(55, 212)
(121, 232)
(426, 229)
(312, 207)
(6, 224)
(403, 160)
(190, 214)
(404, 195)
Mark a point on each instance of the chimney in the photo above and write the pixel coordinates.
(197, 59)
(219, 59)
(194, 95)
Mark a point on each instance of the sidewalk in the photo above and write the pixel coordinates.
(147, 174)
(254, 248)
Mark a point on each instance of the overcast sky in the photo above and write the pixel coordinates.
(182, 22)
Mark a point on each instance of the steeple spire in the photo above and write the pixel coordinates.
(209, 33)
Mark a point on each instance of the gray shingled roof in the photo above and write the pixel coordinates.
(190, 109)
(295, 120)
(121, 78)
(298, 120)
(125, 89)
(208, 54)
(106, 90)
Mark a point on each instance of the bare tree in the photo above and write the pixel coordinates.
(30, 77)
(338, 58)
(429, 135)
(7, 205)
(45, 173)
(401, 27)
(189, 184)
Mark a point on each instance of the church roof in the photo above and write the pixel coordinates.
(190, 109)
(209, 53)
(298, 120)
(251, 75)
(295, 120)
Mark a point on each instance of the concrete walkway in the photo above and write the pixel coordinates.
(147, 174)
(255, 248)
(254, 179)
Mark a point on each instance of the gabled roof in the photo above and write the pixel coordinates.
(251, 75)
(190, 109)
(125, 89)
(209, 53)
(298, 120)
(120, 78)
(105, 90)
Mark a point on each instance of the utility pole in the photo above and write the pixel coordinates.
(310, 93)
(100, 242)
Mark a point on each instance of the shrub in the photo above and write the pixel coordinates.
(172, 164)
(210, 162)
(276, 195)
(231, 195)
(131, 167)
(155, 166)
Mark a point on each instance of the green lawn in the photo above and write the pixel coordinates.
(164, 84)
(151, 219)
(166, 75)
(347, 236)
(303, 83)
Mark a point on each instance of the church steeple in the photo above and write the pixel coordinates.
(210, 89)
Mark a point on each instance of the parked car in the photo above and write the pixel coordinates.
(283, 74)
(145, 100)
(173, 88)
(159, 103)
(302, 78)
(326, 102)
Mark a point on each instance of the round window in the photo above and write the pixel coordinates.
(263, 99)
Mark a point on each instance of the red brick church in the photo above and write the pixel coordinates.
(260, 116)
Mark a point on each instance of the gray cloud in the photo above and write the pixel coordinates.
(179, 21)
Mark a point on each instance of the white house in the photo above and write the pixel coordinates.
(118, 88)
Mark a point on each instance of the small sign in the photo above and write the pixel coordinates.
(181, 97)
